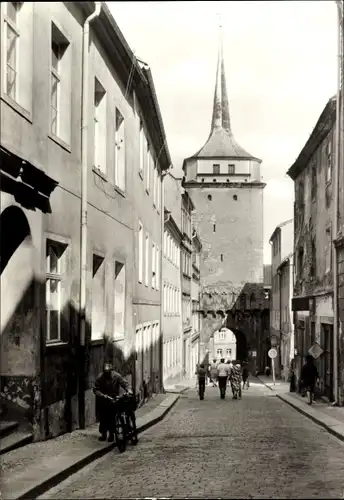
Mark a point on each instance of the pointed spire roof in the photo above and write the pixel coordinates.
(221, 142)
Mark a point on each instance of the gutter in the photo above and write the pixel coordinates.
(84, 173)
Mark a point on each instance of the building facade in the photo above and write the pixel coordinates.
(69, 302)
(281, 317)
(313, 309)
(223, 345)
(187, 207)
(196, 316)
(172, 301)
(225, 184)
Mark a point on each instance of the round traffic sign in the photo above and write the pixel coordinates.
(272, 353)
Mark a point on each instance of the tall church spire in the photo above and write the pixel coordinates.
(221, 142)
(221, 116)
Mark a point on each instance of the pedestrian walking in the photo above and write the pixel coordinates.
(230, 366)
(245, 375)
(201, 375)
(235, 379)
(213, 373)
(309, 377)
(223, 369)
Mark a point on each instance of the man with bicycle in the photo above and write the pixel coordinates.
(106, 388)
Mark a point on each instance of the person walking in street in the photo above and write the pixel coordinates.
(201, 375)
(235, 379)
(213, 373)
(245, 375)
(106, 388)
(309, 377)
(223, 369)
(230, 366)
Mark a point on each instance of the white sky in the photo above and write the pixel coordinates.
(280, 62)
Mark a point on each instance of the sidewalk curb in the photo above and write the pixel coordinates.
(304, 412)
(316, 420)
(39, 489)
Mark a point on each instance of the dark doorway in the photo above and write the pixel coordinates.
(326, 363)
(14, 229)
(241, 345)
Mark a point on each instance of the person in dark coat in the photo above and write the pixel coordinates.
(309, 377)
(245, 375)
(201, 375)
(106, 387)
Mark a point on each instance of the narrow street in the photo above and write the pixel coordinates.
(258, 447)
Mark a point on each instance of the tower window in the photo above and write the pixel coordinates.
(231, 169)
(227, 180)
(202, 180)
(214, 180)
(216, 168)
(222, 257)
(210, 197)
(235, 197)
(214, 228)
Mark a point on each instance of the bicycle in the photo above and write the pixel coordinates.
(125, 421)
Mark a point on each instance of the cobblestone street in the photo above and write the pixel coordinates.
(258, 447)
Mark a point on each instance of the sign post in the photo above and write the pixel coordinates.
(272, 355)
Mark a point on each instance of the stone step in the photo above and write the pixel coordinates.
(6, 427)
(15, 440)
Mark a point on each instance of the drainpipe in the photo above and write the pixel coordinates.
(84, 172)
(335, 221)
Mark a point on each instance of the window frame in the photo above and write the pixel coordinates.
(141, 253)
(15, 28)
(58, 276)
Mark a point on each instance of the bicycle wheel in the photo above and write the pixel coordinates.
(120, 433)
(131, 419)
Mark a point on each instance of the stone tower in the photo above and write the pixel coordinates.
(224, 183)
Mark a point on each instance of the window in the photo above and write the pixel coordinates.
(231, 169)
(153, 266)
(300, 261)
(314, 259)
(157, 266)
(229, 352)
(158, 191)
(149, 166)
(98, 298)
(328, 250)
(329, 161)
(99, 126)
(17, 55)
(119, 305)
(12, 46)
(214, 228)
(54, 269)
(138, 340)
(222, 257)
(314, 183)
(60, 88)
(155, 185)
(119, 150)
(219, 352)
(222, 335)
(140, 252)
(147, 260)
(216, 169)
(142, 150)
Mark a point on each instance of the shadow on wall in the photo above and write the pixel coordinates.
(48, 386)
